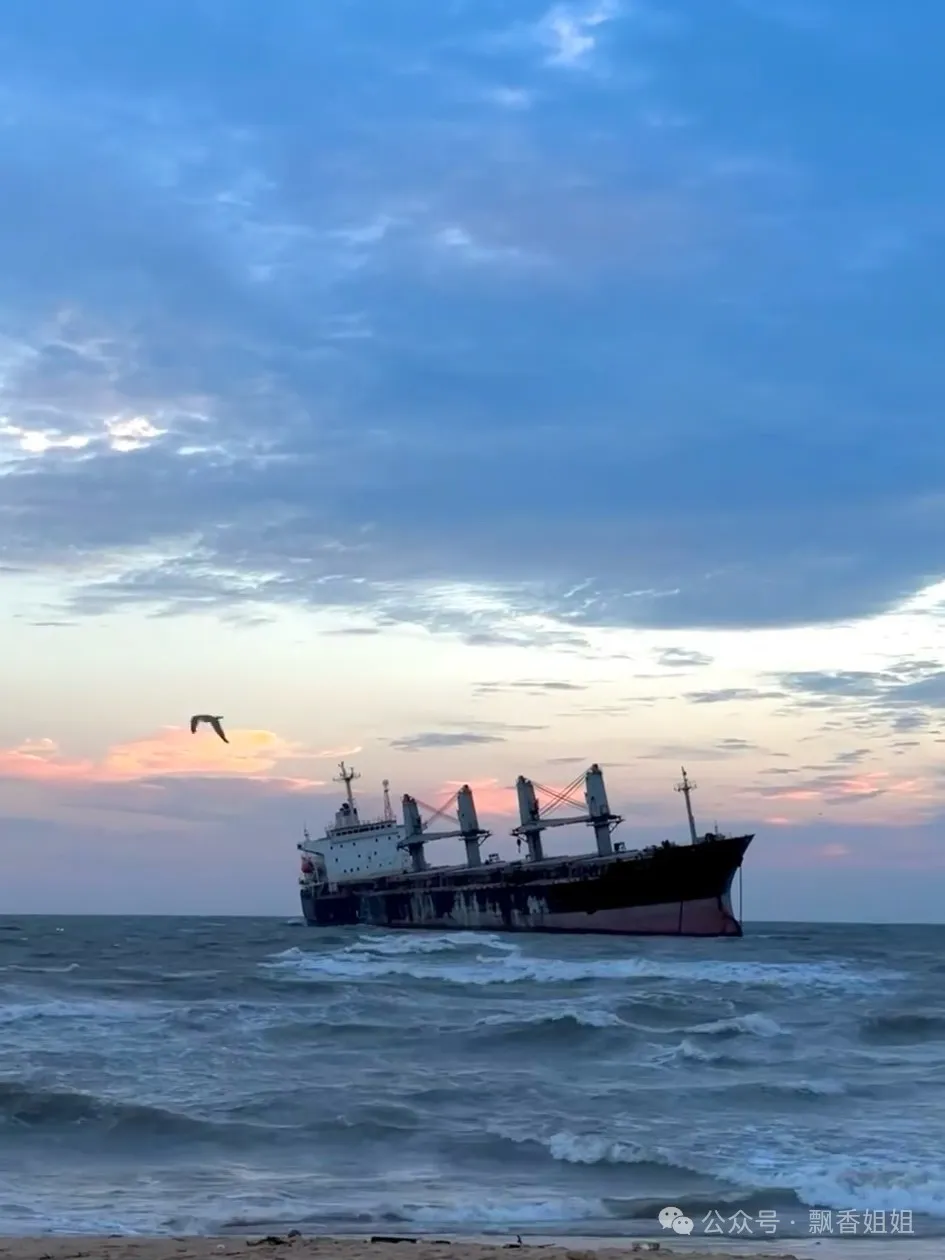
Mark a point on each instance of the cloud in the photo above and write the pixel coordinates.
(680, 658)
(725, 695)
(511, 98)
(852, 756)
(294, 314)
(848, 682)
(694, 752)
(167, 753)
(442, 739)
(835, 851)
(733, 744)
(571, 32)
(838, 789)
(532, 687)
(907, 696)
(355, 631)
(469, 249)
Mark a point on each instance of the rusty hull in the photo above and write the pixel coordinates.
(670, 890)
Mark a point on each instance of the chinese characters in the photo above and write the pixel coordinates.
(842, 1223)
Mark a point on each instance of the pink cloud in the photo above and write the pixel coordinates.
(172, 751)
(492, 799)
(867, 784)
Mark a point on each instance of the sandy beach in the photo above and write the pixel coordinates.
(297, 1247)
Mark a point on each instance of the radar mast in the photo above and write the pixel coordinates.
(686, 788)
(346, 777)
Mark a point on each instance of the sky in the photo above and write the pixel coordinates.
(469, 389)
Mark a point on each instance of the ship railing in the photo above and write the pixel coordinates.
(353, 828)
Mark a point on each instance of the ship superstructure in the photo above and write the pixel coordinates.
(352, 849)
(377, 872)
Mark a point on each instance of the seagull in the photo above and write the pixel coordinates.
(213, 721)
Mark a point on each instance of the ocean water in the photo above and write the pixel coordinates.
(187, 1075)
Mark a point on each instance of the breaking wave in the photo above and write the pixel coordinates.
(510, 966)
(835, 1184)
(752, 1024)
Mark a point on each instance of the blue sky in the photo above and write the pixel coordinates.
(476, 386)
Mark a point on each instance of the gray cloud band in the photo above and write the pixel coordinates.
(242, 367)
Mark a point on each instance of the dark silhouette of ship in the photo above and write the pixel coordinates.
(376, 873)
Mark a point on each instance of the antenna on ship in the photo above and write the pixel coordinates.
(346, 777)
(686, 788)
(388, 812)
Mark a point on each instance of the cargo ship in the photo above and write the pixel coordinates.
(376, 873)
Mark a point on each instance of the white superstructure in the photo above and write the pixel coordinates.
(353, 849)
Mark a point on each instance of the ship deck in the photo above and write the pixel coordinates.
(551, 870)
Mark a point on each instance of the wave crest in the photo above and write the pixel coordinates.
(754, 1024)
(508, 965)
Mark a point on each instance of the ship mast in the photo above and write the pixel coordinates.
(388, 812)
(686, 788)
(346, 777)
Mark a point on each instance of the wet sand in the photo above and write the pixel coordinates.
(289, 1247)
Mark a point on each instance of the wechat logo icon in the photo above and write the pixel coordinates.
(675, 1219)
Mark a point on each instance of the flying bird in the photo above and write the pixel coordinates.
(211, 721)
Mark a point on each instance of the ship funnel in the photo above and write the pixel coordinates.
(469, 825)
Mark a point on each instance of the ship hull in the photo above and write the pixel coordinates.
(668, 891)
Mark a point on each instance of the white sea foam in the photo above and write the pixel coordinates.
(518, 968)
(856, 1183)
(860, 1183)
(687, 1049)
(91, 1010)
(588, 1017)
(395, 943)
(250, 1211)
(42, 971)
(590, 1148)
(753, 1023)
